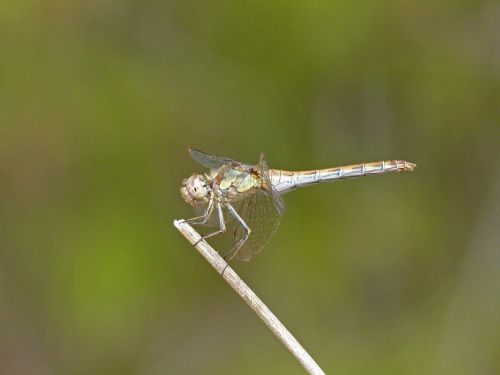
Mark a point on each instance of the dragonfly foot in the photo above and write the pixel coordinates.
(222, 273)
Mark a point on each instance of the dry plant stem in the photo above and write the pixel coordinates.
(249, 297)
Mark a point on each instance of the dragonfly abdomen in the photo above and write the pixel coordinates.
(284, 181)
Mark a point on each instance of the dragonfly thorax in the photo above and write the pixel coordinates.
(196, 190)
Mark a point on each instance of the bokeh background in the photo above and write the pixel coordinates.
(99, 102)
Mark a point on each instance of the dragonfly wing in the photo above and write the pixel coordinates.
(261, 212)
(207, 160)
(279, 203)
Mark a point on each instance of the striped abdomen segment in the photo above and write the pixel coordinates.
(284, 181)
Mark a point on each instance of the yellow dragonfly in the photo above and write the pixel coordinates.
(250, 196)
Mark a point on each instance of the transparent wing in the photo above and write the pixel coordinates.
(262, 211)
(207, 160)
(262, 216)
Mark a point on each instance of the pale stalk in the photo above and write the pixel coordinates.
(250, 298)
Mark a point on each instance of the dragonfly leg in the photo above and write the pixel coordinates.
(232, 253)
(222, 223)
(199, 220)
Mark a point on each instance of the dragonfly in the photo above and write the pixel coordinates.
(249, 197)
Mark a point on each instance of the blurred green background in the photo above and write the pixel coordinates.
(99, 102)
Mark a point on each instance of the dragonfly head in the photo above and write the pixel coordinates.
(195, 190)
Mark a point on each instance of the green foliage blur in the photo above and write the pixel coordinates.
(99, 102)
